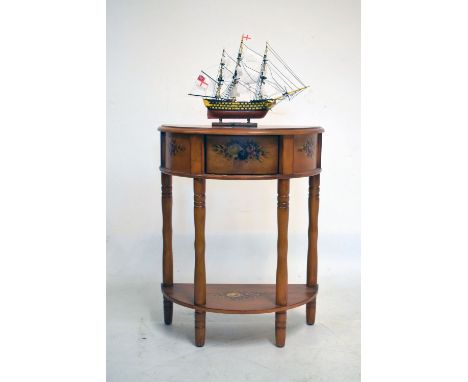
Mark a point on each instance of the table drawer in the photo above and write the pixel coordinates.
(241, 154)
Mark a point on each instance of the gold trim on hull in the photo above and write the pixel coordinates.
(239, 105)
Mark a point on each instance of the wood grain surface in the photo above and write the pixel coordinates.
(260, 130)
(240, 298)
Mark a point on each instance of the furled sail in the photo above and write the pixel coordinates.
(253, 75)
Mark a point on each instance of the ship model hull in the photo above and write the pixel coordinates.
(237, 109)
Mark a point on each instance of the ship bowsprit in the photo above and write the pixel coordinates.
(238, 109)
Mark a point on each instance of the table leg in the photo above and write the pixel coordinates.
(282, 261)
(200, 276)
(314, 191)
(166, 200)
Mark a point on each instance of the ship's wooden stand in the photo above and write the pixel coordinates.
(234, 124)
(205, 152)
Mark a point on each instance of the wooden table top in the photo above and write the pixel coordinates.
(260, 130)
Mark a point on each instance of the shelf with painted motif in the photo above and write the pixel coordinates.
(240, 298)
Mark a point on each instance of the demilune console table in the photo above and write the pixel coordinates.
(205, 152)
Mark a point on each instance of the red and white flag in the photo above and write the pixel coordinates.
(202, 81)
(246, 37)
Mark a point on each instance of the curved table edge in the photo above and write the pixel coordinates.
(240, 176)
(208, 130)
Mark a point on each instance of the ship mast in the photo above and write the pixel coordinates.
(262, 77)
(235, 76)
(220, 75)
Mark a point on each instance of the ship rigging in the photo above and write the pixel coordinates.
(269, 83)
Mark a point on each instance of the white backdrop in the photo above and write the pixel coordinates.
(155, 50)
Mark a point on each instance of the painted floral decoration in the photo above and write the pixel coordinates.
(308, 147)
(175, 147)
(239, 296)
(241, 150)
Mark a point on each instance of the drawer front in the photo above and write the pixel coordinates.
(305, 153)
(241, 154)
(177, 152)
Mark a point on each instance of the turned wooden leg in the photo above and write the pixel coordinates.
(314, 190)
(280, 328)
(310, 312)
(167, 311)
(282, 261)
(166, 200)
(200, 276)
(200, 318)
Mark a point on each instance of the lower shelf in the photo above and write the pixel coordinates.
(240, 298)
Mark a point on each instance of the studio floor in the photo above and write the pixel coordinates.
(238, 347)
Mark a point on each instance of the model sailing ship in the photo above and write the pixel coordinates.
(269, 83)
